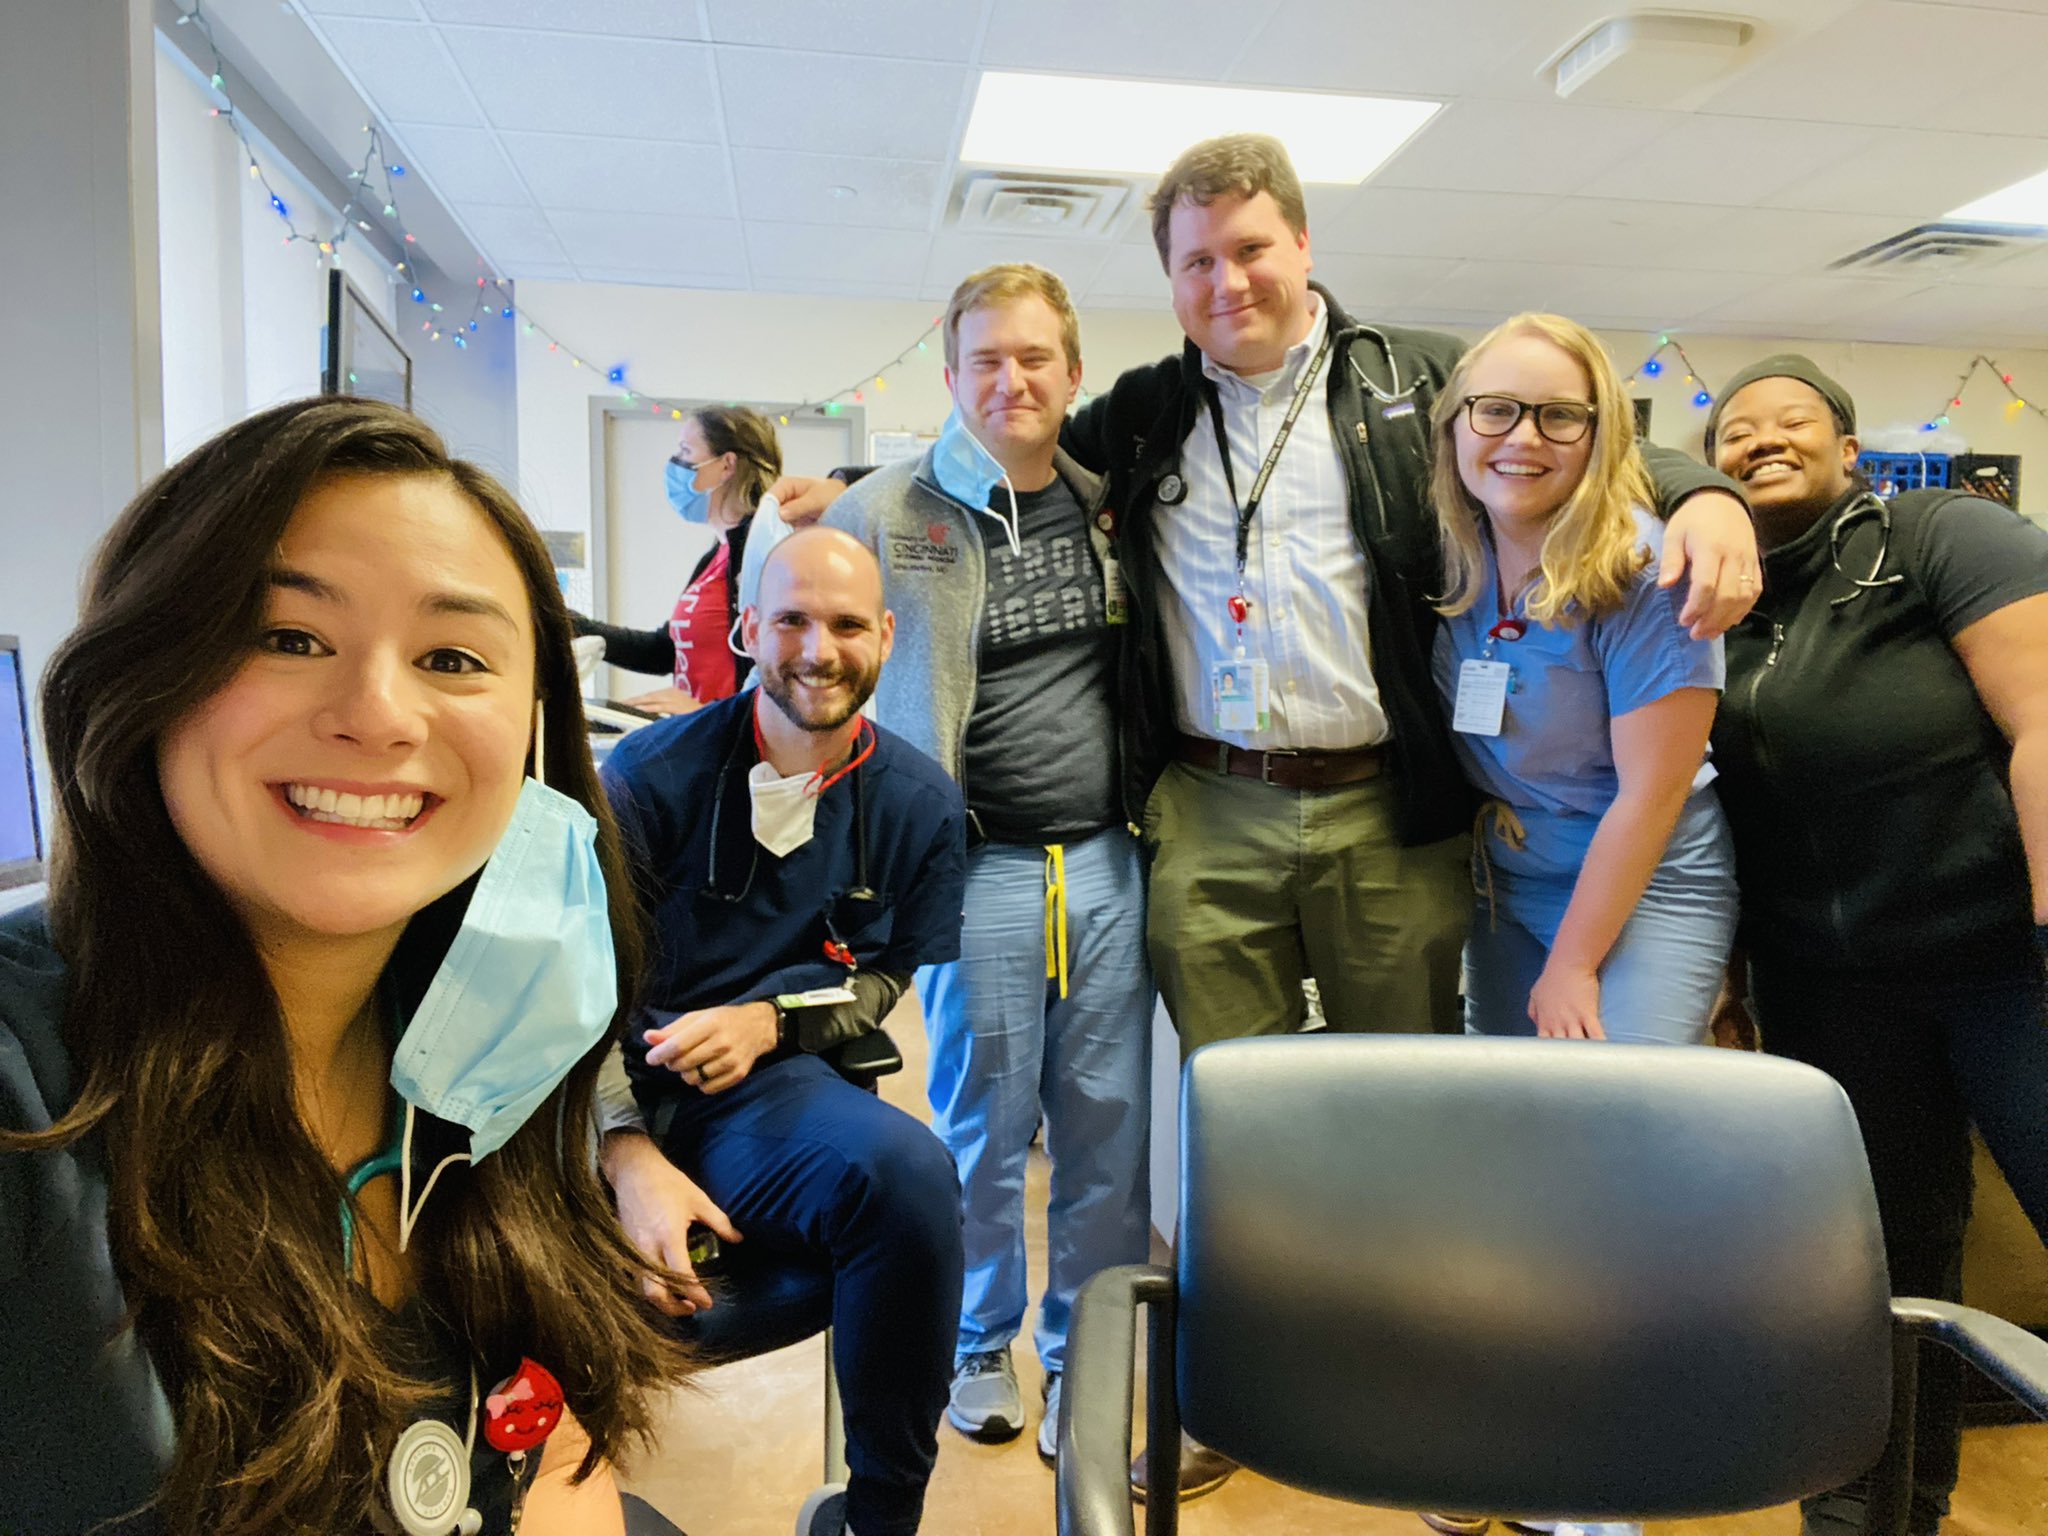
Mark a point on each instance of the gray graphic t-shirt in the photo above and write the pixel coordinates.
(1041, 745)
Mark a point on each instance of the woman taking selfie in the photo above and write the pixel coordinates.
(299, 1229)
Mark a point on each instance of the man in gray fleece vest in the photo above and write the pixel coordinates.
(1009, 617)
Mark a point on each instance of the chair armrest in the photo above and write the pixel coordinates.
(2008, 1354)
(865, 1059)
(1093, 1474)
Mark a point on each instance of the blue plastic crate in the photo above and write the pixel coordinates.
(1891, 473)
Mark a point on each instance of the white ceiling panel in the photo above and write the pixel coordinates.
(1734, 161)
(616, 87)
(1783, 241)
(1656, 298)
(1498, 146)
(953, 256)
(1605, 232)
(518, 238)
(896, 29)
(1139, 39)
(695, 251)
(1389, 49)
(791, 186)
(1130, 278)
(892, 108)
(614, 18)
(1886, 62)
(1420, 221)
(390, 10)
(1915, 175)
(780, 254)
(465, 165)
(1367, 286)
(402, 69)
(568, 171)
(1803, 306)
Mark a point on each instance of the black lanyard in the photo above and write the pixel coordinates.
(1246, 511)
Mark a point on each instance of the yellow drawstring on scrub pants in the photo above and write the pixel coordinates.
(1056, 915)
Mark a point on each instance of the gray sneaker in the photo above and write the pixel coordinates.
(1049, 1426)
(985, 1404)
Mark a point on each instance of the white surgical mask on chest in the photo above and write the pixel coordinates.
(785, 810)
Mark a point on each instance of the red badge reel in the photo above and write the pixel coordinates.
(523, 1410)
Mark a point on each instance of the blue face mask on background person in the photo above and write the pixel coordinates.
(529, 984)
(969, 473)
(691, 504)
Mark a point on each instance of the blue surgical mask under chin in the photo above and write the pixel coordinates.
(691, 504)
(969, 473)
(529, 984)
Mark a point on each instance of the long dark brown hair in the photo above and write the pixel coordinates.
(284, 1377)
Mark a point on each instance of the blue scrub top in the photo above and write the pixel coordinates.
(761, 928)
(1554, 759)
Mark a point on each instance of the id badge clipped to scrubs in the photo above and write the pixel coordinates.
(1240, 693)
(1482, 700)
(1115, 607)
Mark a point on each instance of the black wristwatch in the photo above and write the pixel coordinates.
(785, 1025)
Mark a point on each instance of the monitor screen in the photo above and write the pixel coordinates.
(21, 842)
(362, 356)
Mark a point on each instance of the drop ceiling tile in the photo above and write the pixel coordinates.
(465, 165)
(797, 187)
(1132, 273)
(571, 172)
(630, 88)
(832, 253)
(610, 18)
(1145, 39)
(401, 69)
(1791, 306)
(1912, 175)
(1886, 63)
(512, 238)
(390, 10)
(1657, 298)
(1423, 50)
(1538, 146)
(1366, 287)
(1603, 232)
(697, 251)
(953, 256)
(1783, 240)
(1420, 221)
(1735, 161)
(893, 108)
(905, 29)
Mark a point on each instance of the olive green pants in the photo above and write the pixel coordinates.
(1254, 887)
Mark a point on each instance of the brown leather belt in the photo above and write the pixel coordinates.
(1318, 768)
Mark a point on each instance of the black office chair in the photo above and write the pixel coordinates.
(1527, 1277)
(767, 1301)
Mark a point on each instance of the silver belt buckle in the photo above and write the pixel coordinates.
(1266, 762)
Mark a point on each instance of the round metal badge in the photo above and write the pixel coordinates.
(428, 1480)
(1173, 490)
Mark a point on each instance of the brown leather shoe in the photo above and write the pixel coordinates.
(1456, 1525)
(1201, 1470)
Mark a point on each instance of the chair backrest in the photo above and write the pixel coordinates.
(1529, 1276)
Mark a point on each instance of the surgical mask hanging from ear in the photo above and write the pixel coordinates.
(785, 810)
(969, 473)
(529, 984)
(691, 504)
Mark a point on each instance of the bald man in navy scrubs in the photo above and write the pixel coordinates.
(798, 864)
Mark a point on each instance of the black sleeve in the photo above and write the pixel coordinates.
(637, 650)
(824, 1025)
(1082, 435)
(1977, 557)
(1675, 476)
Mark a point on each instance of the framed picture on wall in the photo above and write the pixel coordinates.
(362, 355)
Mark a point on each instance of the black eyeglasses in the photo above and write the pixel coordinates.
(1561, 421)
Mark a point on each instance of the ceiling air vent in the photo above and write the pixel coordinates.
(1650, 59)
(1014, 203)
(1941, 248)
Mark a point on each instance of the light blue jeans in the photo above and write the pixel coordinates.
(1659, 981)
(1006, 1047)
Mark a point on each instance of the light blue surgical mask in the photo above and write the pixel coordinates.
(691, 504)
(969, 473)
(529, 985)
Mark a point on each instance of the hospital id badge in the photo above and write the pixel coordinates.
(1114, 606)
(1482, 697)
(1239, 691)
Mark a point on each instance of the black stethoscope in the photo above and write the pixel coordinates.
(1864, 506)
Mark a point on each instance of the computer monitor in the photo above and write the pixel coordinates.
(21, 838)
(360, 354)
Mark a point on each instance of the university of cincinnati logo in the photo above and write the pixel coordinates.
(936, 532)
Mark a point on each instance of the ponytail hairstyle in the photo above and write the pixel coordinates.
(751, 437)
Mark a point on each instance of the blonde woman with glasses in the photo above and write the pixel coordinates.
(1579, 705)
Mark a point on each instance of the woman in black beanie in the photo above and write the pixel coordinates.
(1883, 757)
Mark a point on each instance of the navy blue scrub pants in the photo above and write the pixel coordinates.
(805, 1163)
(1920, 1059)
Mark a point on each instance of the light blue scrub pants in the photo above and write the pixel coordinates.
(1659, 981)
(1006, 1046)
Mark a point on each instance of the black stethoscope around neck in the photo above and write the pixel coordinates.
(1866, 505)
(857, 784)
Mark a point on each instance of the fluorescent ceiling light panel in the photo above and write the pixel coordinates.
(1138, 127)
(2024, 202)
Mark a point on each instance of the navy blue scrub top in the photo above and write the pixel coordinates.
(762, 930)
